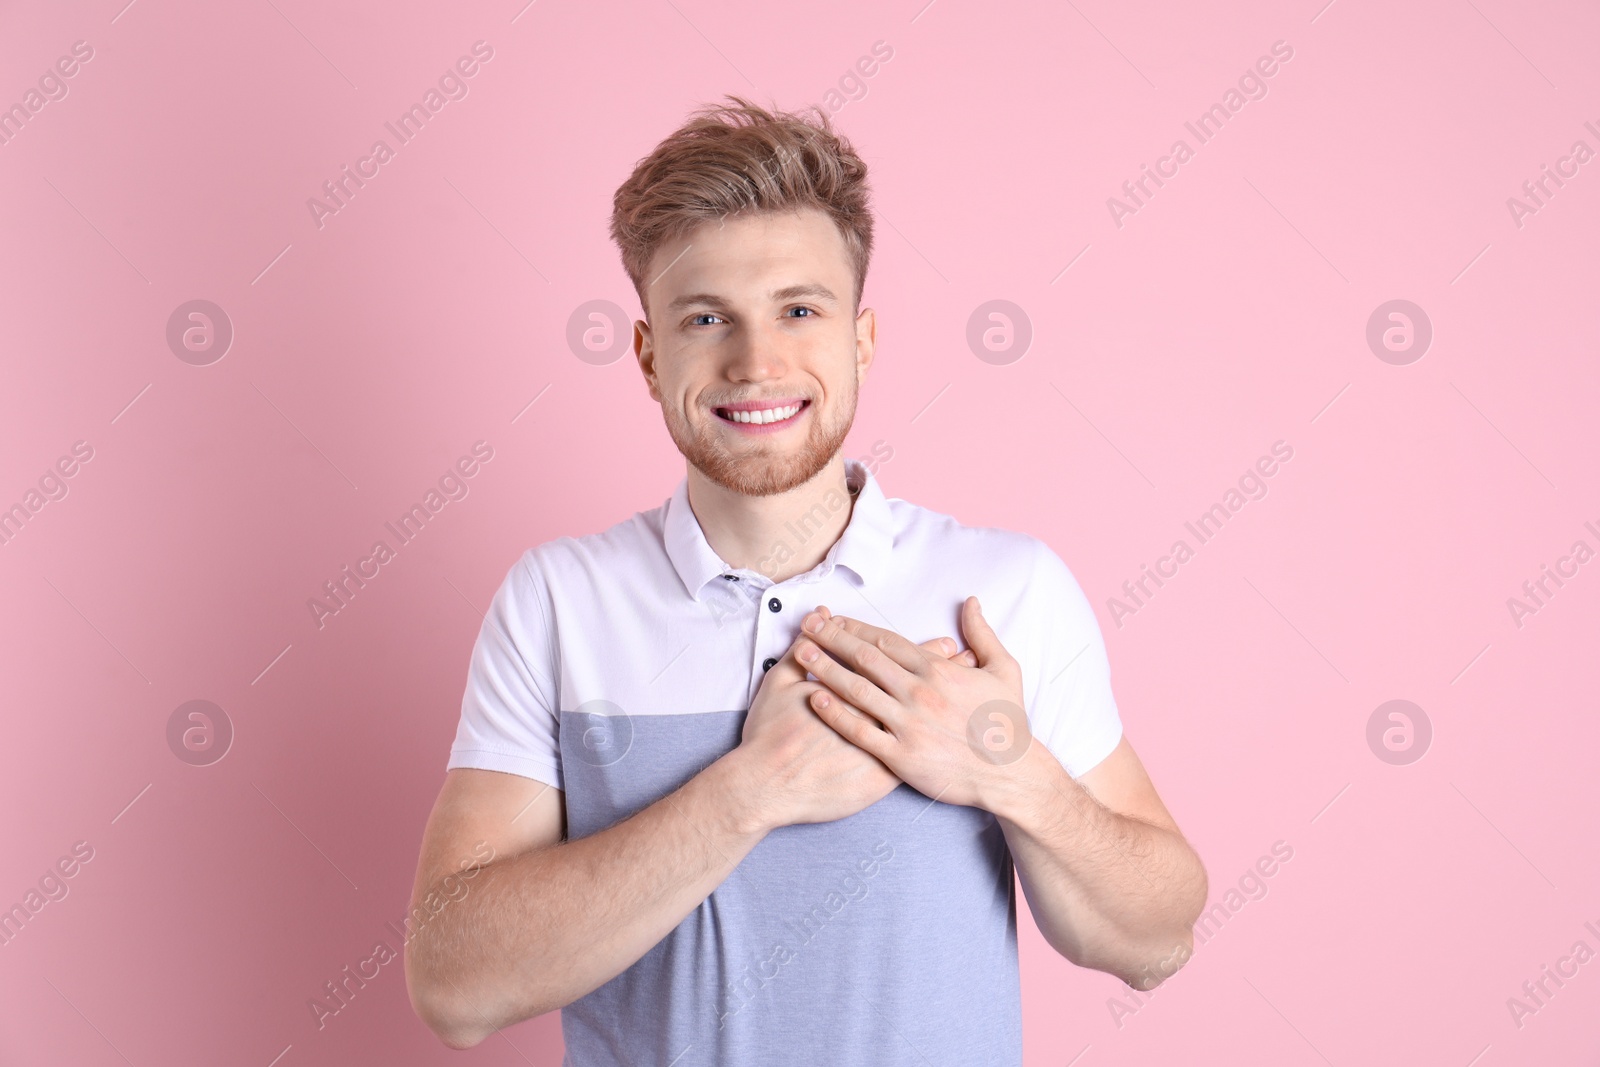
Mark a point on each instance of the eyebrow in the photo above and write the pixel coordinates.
(789, 292)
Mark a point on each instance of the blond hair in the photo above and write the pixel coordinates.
(735, 159)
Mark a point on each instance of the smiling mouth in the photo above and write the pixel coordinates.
(765, 416)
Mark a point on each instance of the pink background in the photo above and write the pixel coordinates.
(1228, 313)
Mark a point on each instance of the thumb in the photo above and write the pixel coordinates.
(980, 636)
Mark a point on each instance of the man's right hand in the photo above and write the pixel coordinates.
(800, 769)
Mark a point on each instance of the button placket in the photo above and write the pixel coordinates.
(768, 643)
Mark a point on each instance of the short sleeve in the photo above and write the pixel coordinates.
(509, 712)
(1073, 712)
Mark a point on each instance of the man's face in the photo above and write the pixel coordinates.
(755, 354)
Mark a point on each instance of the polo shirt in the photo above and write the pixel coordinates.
(617, 665)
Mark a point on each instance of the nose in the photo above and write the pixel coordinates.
(755, 356)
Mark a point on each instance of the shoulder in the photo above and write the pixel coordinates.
(584, 574)
(615, 551)
(1010, 556)
(1028, 593)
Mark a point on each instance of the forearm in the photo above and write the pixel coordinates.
(1108, 891)
(539, 930)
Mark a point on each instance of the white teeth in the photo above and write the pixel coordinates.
(765, 415)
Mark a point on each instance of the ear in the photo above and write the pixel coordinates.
(866, 343)
(644, 348)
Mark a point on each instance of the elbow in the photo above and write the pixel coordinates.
(457, 1035)
(460, 1040)
(1174, 953)
(1174, 947)
(441, 1011)
(459, 1020)
(449, 1027)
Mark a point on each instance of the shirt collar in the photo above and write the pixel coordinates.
(863, 548)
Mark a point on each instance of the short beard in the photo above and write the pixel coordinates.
(756, 474)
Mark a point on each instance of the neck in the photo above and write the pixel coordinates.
(781, 535)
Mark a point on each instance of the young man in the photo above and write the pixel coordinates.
(725, 787)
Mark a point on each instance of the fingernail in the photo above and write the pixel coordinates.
(812, 623)
(808, 654)
(820, 699)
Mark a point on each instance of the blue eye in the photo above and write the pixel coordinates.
(702, 315)
(813, 311)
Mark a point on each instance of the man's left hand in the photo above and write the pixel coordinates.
(949, 728)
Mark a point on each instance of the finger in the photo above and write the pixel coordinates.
(819, 698)
(980, 636)
(788, 670)
(950, 650)
(863, 731)
(859, 690)
(880, 654)
(943, 647)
